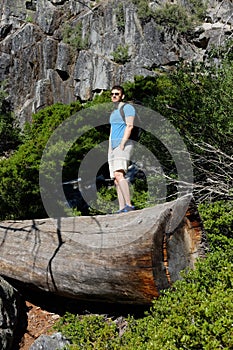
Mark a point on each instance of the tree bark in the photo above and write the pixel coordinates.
(120, 258)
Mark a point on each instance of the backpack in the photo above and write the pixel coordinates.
(137, 130)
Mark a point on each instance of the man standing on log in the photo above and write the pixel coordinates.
(120, 147)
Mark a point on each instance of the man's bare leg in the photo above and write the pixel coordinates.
(122, 187)
(121, 199)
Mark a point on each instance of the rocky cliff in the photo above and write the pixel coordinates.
(63, 50)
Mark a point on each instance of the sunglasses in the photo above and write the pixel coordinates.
(115, 93)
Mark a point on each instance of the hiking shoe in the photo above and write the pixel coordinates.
(120, 211)
(128, 208)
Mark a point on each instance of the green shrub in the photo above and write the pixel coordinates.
(179, 16)
(174, 16)
(121, 54)
(73, 35)
(197, 8)
(144, 12)
(89, 332)
(106, 201)
(120, 17)
(19, 175)
(218, 219)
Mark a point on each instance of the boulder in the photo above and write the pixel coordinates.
(13, 319)
(55, 341)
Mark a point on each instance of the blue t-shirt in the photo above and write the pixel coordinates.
(118, 125)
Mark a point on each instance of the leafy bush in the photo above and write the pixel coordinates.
(19, 175)
(120, 17)
(121, 54)
(143, 10)
(174, 16)
(73, 35)
(218, 218)
(88, 332)
(179, 16)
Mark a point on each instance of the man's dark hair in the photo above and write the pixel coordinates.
(118, 87)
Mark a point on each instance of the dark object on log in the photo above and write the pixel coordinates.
(126, 258)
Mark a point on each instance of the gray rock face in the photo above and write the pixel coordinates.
(54, 342)
(12, 316)
(64, 50)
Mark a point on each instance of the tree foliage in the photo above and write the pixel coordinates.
(197, 100)
(179, 16)
(19, 185)
(75, 37)
(121, 54)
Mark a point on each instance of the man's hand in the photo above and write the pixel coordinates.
(122, 145)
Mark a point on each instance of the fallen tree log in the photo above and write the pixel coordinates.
(126, 258)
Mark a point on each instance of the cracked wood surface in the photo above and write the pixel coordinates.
(124, 258)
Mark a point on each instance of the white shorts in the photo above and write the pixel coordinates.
(119, 159)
